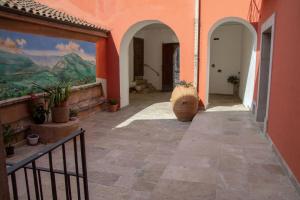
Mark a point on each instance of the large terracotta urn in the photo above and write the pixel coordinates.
(185, 102)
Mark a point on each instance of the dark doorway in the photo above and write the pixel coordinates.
(138, 46)
(264, 76)
(170, 66)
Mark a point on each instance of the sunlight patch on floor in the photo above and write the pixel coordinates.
(156, 111)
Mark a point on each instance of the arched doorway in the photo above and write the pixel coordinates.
(232, 55)
(146, 51)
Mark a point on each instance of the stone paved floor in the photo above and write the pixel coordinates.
(143, 153)
(222, 156)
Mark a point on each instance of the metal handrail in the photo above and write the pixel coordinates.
(30, 164)
(14, 167)
(43, 169)
(152, 69)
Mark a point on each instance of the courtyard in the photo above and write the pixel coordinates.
(142, 152)
(149, 100)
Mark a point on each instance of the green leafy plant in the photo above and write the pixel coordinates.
(233, 80)
(185, 84)
(8, 133)
(113, 102)
(57, 94)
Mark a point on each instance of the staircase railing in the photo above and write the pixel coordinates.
(152, 69)
(30, 165)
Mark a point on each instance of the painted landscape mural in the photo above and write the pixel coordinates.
(28, 58)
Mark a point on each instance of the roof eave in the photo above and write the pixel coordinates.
(37, 19)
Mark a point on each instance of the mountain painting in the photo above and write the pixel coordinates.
(28, 58)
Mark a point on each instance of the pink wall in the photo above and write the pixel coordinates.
(284, 110)
(120, 15)
(210, 13)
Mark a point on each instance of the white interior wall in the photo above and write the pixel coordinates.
(226, 54)
(153, 38)
(247, 46)
(236, 54)
(249, 91)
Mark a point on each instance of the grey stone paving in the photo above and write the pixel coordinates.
(224, 153)
(137, 143)
(143, 153)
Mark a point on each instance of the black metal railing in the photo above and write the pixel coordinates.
(16, 174)
(152, 69)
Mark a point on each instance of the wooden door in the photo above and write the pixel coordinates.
(138, 46)
(264, 75)
(170, 58)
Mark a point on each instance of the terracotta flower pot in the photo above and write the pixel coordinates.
(113, 108)
(185, 103)
(60, 114)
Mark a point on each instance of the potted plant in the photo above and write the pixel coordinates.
(58, 101)
(73, 114)
(185, 101)
(235, 81)
(37, 109)
(113, 105)
(8, 137)
(33, 139)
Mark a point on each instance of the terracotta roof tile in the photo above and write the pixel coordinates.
(36, 9)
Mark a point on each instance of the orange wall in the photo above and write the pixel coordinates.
(101, 58)
(284, 110)
(123, 14)
(120, 15)
(211, 11)
(78, 8)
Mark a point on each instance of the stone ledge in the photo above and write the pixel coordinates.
(85, 105)
(12, 101)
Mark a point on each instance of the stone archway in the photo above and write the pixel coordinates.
(124, 57)
(250, 77)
